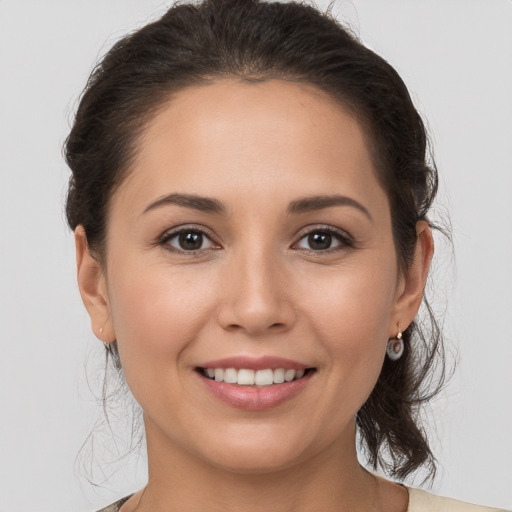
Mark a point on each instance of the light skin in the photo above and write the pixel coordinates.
(259, 284)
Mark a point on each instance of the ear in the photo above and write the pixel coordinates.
(93, 288)
(412, 282)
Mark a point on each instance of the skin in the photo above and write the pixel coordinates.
(256, 287)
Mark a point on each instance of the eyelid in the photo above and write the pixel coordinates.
(346, 240)
(167, 235)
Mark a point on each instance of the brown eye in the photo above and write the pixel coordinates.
(320, 241)
(189, 240)
(323, 240)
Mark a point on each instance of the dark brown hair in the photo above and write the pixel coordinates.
(257, 41)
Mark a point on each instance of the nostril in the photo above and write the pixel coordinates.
(255, 309)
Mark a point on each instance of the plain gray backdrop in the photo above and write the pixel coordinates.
(456, 58)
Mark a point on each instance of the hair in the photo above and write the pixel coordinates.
(255, 41)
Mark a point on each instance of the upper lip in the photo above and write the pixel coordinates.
(255, 363)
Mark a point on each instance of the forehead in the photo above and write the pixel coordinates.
(232, 135)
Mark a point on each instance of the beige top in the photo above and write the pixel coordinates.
(419, 501)
(423, 501)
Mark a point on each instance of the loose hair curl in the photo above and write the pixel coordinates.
(256, 41)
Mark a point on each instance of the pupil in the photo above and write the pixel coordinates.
(320, 240)
(191, 241)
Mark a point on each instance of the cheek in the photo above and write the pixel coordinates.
(350, 310)
(157, 313)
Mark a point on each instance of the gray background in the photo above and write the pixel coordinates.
(456, 57)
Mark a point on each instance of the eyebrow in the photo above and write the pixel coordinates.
(312, 203)
(302, 205)
(200, 203)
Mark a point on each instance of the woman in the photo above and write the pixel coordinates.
(249, 197)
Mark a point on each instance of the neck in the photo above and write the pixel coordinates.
(331, 481)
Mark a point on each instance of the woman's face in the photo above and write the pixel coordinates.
(251, 235)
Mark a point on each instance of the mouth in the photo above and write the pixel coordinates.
(257, 378)
(255, 384)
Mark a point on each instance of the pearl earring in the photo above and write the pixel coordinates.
(395, 347)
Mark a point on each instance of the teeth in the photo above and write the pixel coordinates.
(230, 375)
(247, 377)
(264, 378)
(278, 376)
(289, 375)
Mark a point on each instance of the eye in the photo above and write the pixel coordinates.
(323, 240)
(188, 240)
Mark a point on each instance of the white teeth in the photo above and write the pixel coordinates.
(264, 378)
(289, 375)
(279, 376)
(230, 376)
(247, 377)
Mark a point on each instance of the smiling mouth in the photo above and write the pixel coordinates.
(249, 377)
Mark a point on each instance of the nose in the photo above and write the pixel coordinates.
(256, 296)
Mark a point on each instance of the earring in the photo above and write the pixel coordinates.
(395, 347)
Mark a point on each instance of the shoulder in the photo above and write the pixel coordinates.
(423, 501)
(115, 506)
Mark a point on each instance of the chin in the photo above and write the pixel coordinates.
(254, 455)
(249, 454)
(253, 461)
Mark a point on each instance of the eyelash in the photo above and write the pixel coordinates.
(169, 235)
(344, 240)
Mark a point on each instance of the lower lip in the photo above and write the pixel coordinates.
(255, 398)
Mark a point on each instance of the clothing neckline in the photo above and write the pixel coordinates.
(114, 507)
